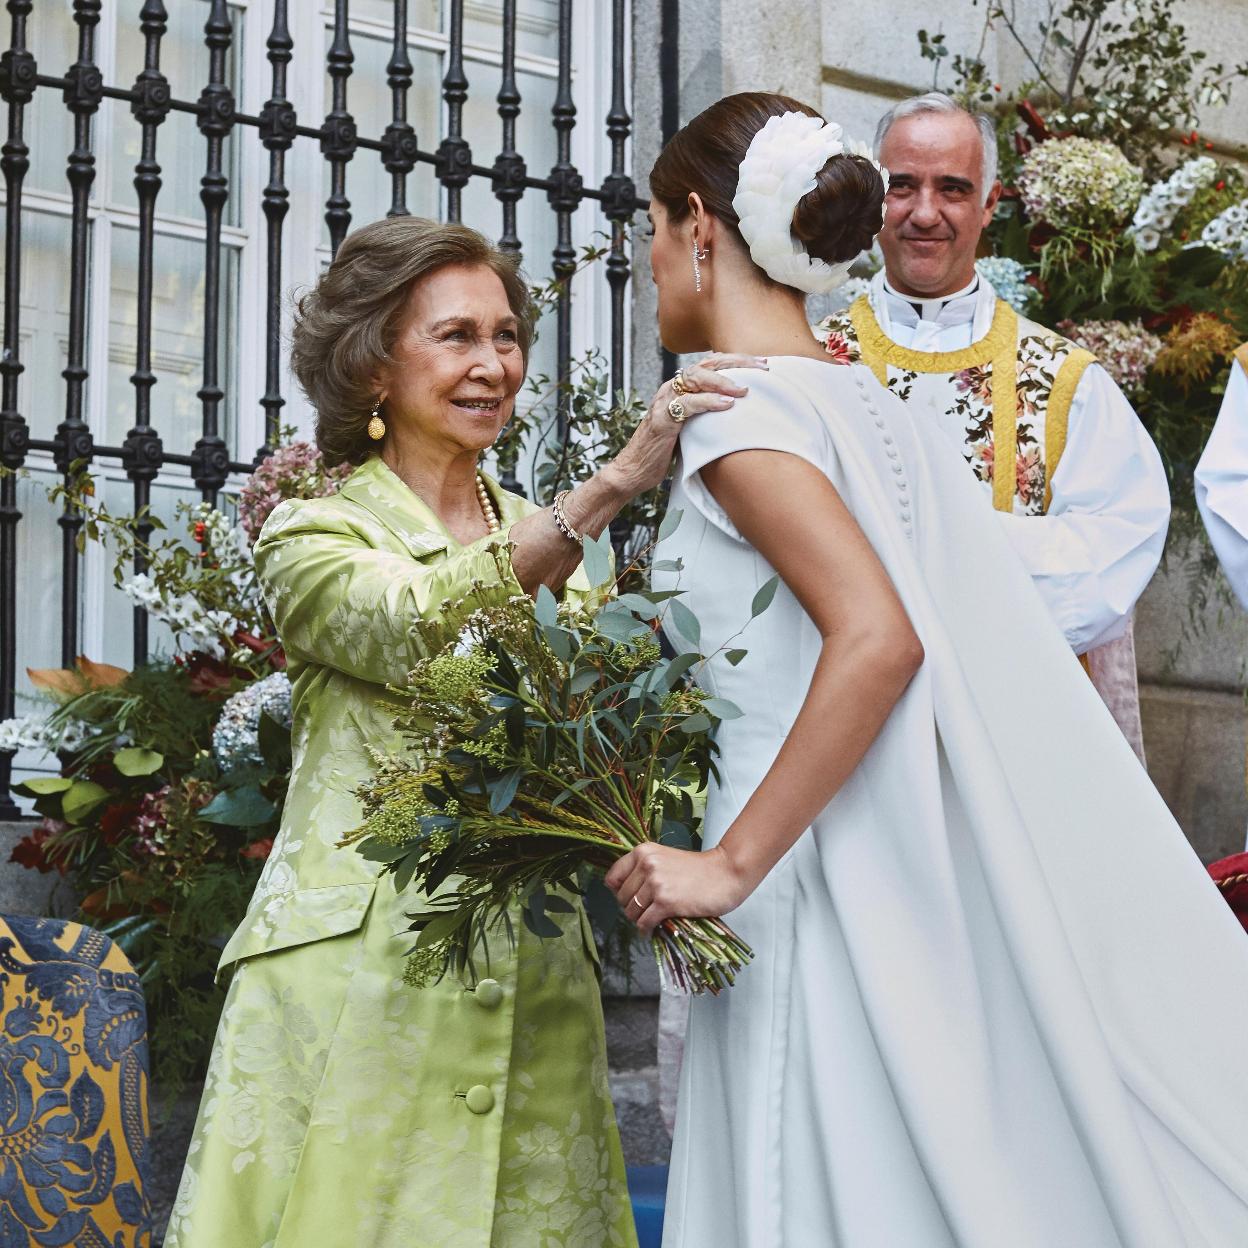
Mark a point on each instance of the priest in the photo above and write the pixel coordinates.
(1076, 480)
(1222, 480)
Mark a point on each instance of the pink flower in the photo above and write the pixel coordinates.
(977, 382)
(293, 471)
(838, 349)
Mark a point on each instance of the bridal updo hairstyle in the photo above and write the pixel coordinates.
(835, 222)
(347, 324)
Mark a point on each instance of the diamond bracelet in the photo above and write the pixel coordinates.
(561, 520)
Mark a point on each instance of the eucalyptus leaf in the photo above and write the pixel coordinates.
(671, 522)
(678, 667)
(639, 605)
(583, 680)
(540, 925)
(545, 607)
(722, 708)
(246, 807)
(668, 565)
(696, 723)
(735, 656)
(686, 622)
(135, 761)
(762, 599)
(504, 790)
(598, 559)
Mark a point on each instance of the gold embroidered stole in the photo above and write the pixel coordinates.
(997, 350)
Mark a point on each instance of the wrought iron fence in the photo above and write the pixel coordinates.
(142, 454)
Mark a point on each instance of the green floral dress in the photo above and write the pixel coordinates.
(342, 1107)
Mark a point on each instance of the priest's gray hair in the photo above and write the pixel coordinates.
(939, 102)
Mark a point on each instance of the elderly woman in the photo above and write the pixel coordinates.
(343, 1107)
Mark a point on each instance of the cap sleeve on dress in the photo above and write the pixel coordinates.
(774, 416)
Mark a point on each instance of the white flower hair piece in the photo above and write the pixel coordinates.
(779, 168)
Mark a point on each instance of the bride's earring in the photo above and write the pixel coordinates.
(698, 257)
(377, 426)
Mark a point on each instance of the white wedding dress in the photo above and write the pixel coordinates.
(996, 1000)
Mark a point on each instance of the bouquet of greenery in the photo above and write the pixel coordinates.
(546, 742)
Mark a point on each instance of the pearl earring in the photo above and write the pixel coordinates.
(698, 257)
(377, 426)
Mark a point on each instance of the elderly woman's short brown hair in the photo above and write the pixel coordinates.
(346, 326)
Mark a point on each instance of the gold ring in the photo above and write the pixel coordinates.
(636, 903)
(679, 385)
(676, 410)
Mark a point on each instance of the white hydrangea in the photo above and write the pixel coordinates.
(1078, 183)
(1163, 201)
(236, 736)
(1228, 231)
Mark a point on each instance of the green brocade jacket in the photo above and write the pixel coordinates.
(344, 578)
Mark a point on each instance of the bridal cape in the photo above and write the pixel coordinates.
(996, 1001)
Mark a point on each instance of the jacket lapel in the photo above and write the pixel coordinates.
(383, 495)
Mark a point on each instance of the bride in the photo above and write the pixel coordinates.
(996, 1001)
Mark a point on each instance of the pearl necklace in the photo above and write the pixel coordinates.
(487, 506)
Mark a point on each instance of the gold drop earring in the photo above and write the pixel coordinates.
(698, 257)
(377, 426)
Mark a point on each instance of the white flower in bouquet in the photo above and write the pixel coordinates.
(236, 736)
(1125, 350)
(1079, 183)
(1009, 279)
(1163, 201)
(34, 732)
(25, 732)
(1228, 231)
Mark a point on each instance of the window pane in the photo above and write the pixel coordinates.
(38, 582)
(118, 610)
(49, 126)
(421, 14)
(537, 26)
(535, 141)
(177, 340)
(44, 320)
(181, 151)
(368, 100)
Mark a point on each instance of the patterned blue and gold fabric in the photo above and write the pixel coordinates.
(73, 1090)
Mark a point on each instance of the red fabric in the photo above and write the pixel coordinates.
(1231, 876)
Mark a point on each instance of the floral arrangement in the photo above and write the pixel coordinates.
(294, 470)
(1154, 217)
(171, 777)
(1125, 351)
(1228, 231)
(1082, 184)
(545, 743)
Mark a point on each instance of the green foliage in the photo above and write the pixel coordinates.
(164, 849)
(1101, 68)
(595, 744)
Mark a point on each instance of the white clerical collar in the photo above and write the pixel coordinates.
(954, 309)
(973, 305)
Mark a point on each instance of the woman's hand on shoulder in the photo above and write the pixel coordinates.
(657, 882)
(644, 462)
